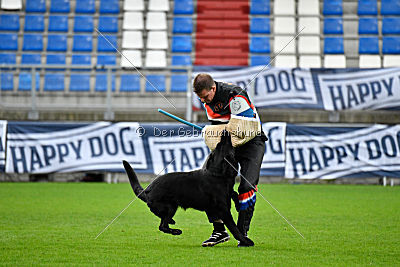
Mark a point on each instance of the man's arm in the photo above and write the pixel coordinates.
(244, 124)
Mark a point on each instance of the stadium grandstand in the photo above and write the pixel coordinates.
(67, 50)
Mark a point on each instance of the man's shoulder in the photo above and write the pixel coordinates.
(229, 90)
(229, 87)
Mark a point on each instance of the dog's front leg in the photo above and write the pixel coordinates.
(226, 217)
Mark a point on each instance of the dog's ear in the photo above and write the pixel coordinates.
(226, 137)
(210, 160)
(225, 140)
(222, 159)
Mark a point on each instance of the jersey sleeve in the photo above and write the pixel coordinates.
(240, 106)
(244, 123)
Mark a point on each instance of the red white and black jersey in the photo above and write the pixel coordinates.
(229, 100)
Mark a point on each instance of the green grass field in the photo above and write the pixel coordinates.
(56, 224)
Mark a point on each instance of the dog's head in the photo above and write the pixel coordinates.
(222, 161)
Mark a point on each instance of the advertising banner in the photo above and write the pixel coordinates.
(334, 152)
(273, 87)
(174, 147)
(3, 138)
(274, 157)
(61, 147)
(367, 89)
(325, 89)
(292, 151)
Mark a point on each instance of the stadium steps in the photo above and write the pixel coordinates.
(221, 36)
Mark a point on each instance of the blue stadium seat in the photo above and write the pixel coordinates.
(87, 6)
(109, 7)
(179, 83)
(259, 44)
(8, 41)
(25, 81)
(130, 83)
(182, 25)
(260, 7)
(59, 6)
(103, 45)
(182, 43)
(7, 81)
(56, 59)
(80, 59)
(390, 7)
(333, 26)
(80, 82)
(101, 83)
(259, 25)
(333, 7)
(391, 45)
(106, 60)
(31, 59)
(367, 7)
(368, 45)
(53, 82)
(333, 45)
(9, 22)
(35, 6)
(368, 25)
(391, 25)
(83, 24)
(57, 42)
(181, 60)
(34, 23)
(259, 60)
(82, 43)
(8, 58)
(183, 7)
(108, 24)
(58, 23)
(32, 42)
(158, 81)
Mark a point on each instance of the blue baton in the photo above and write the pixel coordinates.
(180, 120)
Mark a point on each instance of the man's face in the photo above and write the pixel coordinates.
(207, 96)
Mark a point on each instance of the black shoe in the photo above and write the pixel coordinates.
(216, 238)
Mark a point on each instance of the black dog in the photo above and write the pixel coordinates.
(209, 189)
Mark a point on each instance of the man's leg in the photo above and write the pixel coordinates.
(250, 157)
(219, 234)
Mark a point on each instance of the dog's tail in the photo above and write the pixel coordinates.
(133, 179)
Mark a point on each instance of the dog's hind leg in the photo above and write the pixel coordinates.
(166, 219)
(164, 227)
(226, 217)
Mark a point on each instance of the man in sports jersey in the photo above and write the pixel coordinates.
(230, 105)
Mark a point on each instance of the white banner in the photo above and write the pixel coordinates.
(177, 153)
(3, 137)
(329, 152)
(273, 86)
(274, 156)
(46, 148)
(374, 89)
(326, 89)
